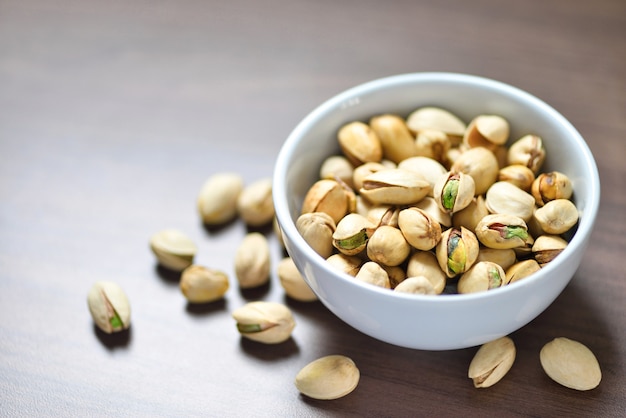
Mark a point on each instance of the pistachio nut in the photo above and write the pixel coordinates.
(505, 198)
(264, 322)
(479, 163)
(317, 229)
(329, 377)
(502, 231)
(427, 168)
(255, 205)
(486, 131)
(337, 167)
(521, 270)
(200, 284)
(528, 151)
(387, 246)
(364, 170)
(492, 362)
(345, 263)
(420, 229)
(419, 285)
(430, 206)
(436, 118)
(557, 216)
(482, 276)
(424, 263)
(457, 251)
(373, 273)
(501, 152)
(394, 187)
(109, 306)
(547, 247)
(395, 138)
(359, 143)
(173, 249)
(505, 258)
(252, 261)
(551, 186)
(293, 283)
(571, 364)
(432, 144)
(518, 175)
(526, 251)
(472, 214)
(454, 191)
(217, 200)
(352, 233)
(380, 215)
(327, 196)
(396, 275)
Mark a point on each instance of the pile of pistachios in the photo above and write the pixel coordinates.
(432, 205)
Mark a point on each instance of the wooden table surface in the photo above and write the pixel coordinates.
(112, 115)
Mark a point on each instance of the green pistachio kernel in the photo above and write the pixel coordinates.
(510, 231)
(353, 242)
(450, 192)
(457, 256)
(250, 328)
(495, 280)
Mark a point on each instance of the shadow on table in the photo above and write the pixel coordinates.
(115, 340)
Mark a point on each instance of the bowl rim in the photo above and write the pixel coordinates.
(287, 224)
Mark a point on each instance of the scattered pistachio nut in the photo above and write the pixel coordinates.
(255, 205)
(252, 261)
(173, 249)
(200, 284)
(109, 306)
(492, 362)
(571, 364)
(265, 322)
(217, 200)
(327, 378)
(293, 283)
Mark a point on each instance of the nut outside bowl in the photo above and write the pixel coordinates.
(442, 322)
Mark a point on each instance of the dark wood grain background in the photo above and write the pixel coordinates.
(112, 115)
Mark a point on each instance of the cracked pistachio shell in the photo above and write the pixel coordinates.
(551, 186)
(505, 198)
(200, 284)
(521, 270)
(502, 231)
(345, 263)
(264, 322)
(395, 138)
(352, 234)
(492, 362)
(547, 247)
(518, 175)
(487, 131)
(359, 143)
(217, 200)
(482, 276)
(528, 151)
(317, 229)
(380, 215)
(430, 206)
(505, 258)
(432, 144)
(337, 167)
(255, 205)
(427, 168)
(420, 229)
(571, 364)
(424, 263)
(419, 285)
(329, 377)
(109, 306)
(479, 163)
(394, 187)
(293, 283)
(557, 216)
(525, 251)
(373, 273)
(252, 261)
(364, 170)
(472, 214)
(457, 251)
(387, 246)
(327, 196)
(454, 191)
(173, 249)
(438, 119)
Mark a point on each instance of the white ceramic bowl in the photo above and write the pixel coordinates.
(446, 321)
